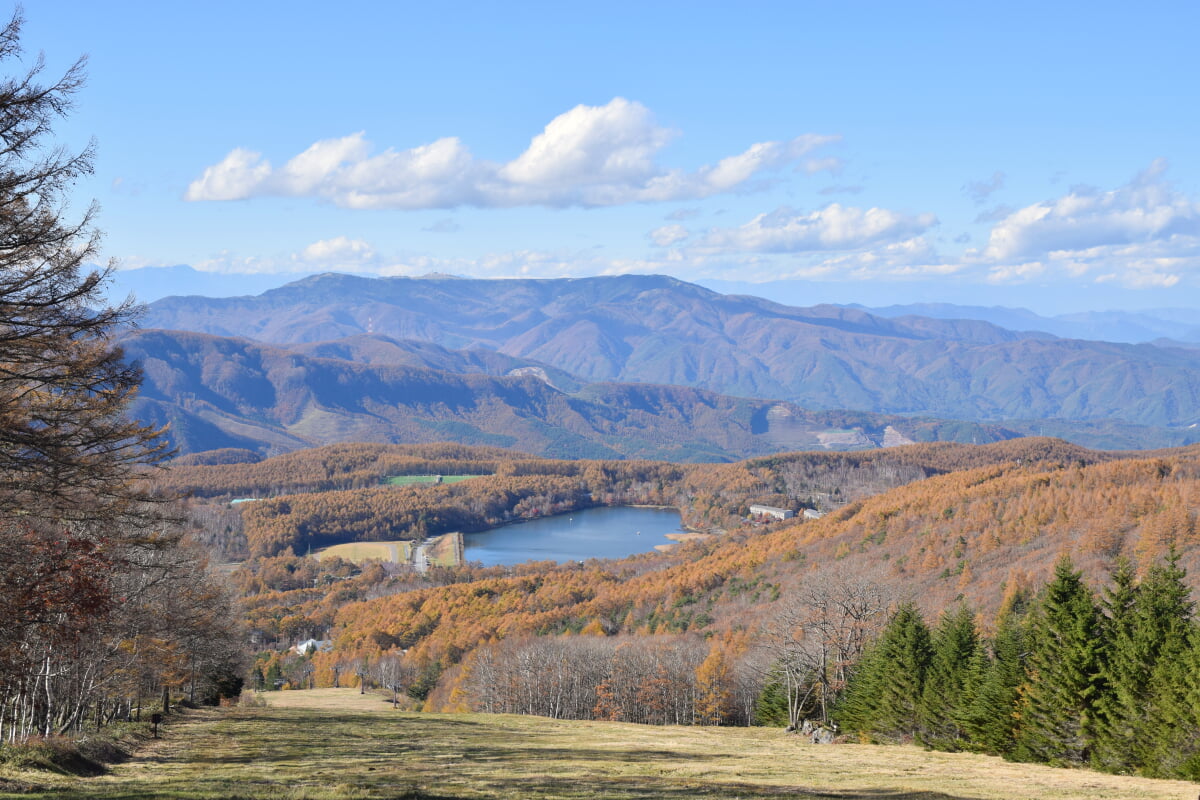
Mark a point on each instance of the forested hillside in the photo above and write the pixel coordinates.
(983, 519)
(661, 330)
(231, 393)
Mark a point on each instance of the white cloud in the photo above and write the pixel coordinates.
(1142, 234)
(905, 259)
(589, 156)
(834, 227)
(230, 263)
(591, 145)
(1016, 273)
(305, 172)
(235, 177)
(341, 251)
(668, 235)
(735, 170)
(832, 165)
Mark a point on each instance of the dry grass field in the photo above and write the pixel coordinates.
(397, 552)
(335, 744)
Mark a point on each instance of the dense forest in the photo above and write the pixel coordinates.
(339, 493)
(759, 624)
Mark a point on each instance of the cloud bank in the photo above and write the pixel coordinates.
(1143, 234)
(590, 156)
(834, 227)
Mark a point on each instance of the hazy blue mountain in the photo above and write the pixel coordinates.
(1134, 327)
(218, 392)
(148, 284)
(655, 329)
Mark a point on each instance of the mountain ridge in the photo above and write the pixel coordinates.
(657, 329)
(220, 392)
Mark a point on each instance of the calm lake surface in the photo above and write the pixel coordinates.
(593, 533)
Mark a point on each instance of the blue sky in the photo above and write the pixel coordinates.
(1020, 153)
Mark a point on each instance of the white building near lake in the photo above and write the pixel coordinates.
(771, 511)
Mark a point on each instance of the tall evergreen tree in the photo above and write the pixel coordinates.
(992, 717)
(1146, 636)
(1121, 671)
(1173, 746)
(951, 681)
(884, 692)
(1144, 680)
(1058, 706)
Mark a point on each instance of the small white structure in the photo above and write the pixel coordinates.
(771, 511)
(812, 513)
(316, 645)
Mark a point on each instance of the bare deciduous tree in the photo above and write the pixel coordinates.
(819, 633)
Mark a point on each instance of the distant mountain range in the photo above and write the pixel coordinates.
(218, 392)
(659, 330)
(1131, 327)
(1164, 325)
(147, 284)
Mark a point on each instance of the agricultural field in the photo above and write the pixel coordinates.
(337, 744)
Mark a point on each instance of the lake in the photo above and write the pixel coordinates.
(593, 533)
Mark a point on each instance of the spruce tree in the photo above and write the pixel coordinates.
(1146, 637)
(771, 705)
(992, 717)
(1173, 746)
(884, 691)
(951, 681)
(1121, 670)
(1058, 706)
(1146, 683)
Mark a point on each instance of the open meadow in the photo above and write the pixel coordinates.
(394, 552)
(335, 744)
(418, 480)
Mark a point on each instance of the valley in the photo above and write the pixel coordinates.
(925, 515)
(630, 367)
(599, 402)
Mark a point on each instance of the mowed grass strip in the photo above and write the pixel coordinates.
(396, 551)
(335, 744)
(408, 480)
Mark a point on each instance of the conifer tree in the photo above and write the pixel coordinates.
(992, 717)
(1123, 672)
(884, 692)
(1145, 647)
(951, 681)
(1173, 746)
(1058, 706)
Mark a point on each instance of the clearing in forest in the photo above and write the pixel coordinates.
(408, 480)
(337, 744)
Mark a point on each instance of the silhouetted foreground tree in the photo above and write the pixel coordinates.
(84, 558)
